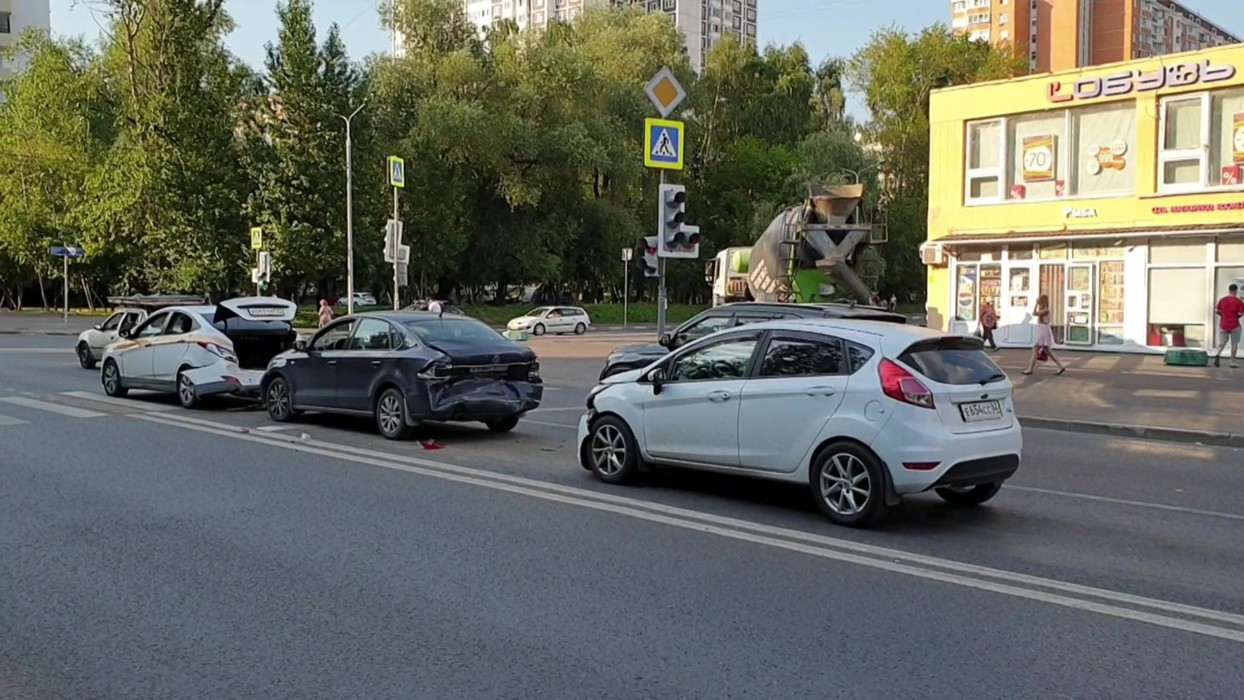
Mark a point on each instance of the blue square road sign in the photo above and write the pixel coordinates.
(663, 144)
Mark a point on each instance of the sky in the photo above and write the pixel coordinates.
(825, 27)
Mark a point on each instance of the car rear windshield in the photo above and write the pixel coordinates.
(953, 361)
(451, 329)
(881, 316)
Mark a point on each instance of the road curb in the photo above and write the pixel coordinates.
(1144, 432)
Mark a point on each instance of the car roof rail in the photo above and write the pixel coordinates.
(157, 301)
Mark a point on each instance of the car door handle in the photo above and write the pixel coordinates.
(332, 363)
(375, 363)
(820, 391)
(718, 396)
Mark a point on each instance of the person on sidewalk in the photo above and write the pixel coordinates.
(1044, 346)
(1229, 309)
(326, 313)
(989, 323)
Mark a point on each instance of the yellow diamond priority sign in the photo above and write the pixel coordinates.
(665, 92)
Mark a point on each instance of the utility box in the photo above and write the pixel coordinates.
(1186, 357)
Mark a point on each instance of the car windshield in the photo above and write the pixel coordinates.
(451, 329)
(953, 361)
(537, 312)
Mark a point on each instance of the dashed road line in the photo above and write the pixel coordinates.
(10, 420)
(143, 406)
(50, 407)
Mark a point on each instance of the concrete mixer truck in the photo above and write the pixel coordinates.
(817, 251)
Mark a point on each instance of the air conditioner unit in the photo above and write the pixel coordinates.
(932, 254)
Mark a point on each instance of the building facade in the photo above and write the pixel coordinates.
(16, 16)
(1118, 191)
(1059, 35)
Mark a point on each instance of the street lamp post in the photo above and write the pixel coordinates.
(350, 209)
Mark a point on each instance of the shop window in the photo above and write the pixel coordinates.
(1053, 251)
(1098, 250)
(1103, 150)
(965, 294)
(1223, 279)
(1185, 135)
(984, 161)
(1226, 150)
(1019, 252)
(1110, 303)
(1037, 155)
(1178, 307)
(1177, 251)
(1231, 250)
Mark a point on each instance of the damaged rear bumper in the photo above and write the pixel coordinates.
(471, 399)
(226, 378)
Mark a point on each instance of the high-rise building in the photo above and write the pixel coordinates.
(16, 16)
(702, 22)
(1062, 34)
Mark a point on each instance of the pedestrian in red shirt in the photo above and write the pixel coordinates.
(1229, 309)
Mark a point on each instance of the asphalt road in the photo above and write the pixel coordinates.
(147, 551)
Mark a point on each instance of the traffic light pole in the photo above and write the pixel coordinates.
(258, 270)
(661, 301)
(396, 264)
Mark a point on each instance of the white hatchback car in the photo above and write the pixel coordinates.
(200, 351)
(863, 412)
(552, 319)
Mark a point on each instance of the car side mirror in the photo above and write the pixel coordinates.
(665, 340)
(657, 377)
(300, 345)
(97, 327)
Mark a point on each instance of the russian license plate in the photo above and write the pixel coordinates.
(488, 369)
(980, 411)
(265, 311)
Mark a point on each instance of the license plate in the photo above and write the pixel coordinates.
(981, 411)
(488, 369)
(266, 312)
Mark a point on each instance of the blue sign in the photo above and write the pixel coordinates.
(663, 145)
(59, 251)
(397, 172)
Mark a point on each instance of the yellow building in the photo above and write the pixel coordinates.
(1116, 190)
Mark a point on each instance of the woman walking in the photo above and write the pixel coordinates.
(1044, 346)
(326, 313)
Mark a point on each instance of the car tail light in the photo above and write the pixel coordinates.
(218, 351)
(900, 385)
(436, 370)
(921, 466)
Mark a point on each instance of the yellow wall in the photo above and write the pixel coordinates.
(951, 109)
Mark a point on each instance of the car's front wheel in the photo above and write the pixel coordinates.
(280, 402)
(391, 415)
(580, 329)
(502, 425)
(187, 394)
(537, 329)
(84, 356)
(111, 378)
(968, 496)
(612, 451)
(848, 485)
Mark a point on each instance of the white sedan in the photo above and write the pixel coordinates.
(552, 319)
(862, 412)
(201, 351)
(91, 342)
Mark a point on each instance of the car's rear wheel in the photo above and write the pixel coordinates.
(187, 395)
(111, 378)
(279, 401)
(580, 329)
(84, 356)
(848, 485)
(537, 329)
(391, 415)
(612, 451)
(502, 425)
(968, 496)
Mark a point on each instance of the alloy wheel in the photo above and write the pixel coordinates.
(111, 380)
(185, 391)
(278, 400)
(84, 356)
(608, 450)
(390, 414)
(845, 484)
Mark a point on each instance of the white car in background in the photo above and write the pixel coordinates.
(862, 412)
(201, 351)
(552, 319)
(91, 342)
(360, 299)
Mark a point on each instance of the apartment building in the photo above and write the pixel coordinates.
(15, 17)
(702, 22)
(1064, 34)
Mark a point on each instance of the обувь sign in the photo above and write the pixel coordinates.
(1125, 82)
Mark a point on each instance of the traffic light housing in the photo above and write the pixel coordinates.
(648, 249)
(677, 238)
(263, 281)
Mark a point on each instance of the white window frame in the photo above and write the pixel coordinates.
(997, 172)
(1199, 154)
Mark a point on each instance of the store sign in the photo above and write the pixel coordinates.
(1130, 81)
(1105, 157)
(1079, 213)
(1237, 138)
(1038, 158)
(1199, 208)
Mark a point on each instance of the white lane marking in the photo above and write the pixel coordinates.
(39, 351)
(580, 409)
(958, 573)
(1125, 502)
(70, 411)
(9, 420)
(145, 406)
(276, 428)
(548, 424)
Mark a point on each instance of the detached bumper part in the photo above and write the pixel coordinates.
(472, 400)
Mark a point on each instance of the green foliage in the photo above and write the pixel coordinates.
(157, 151)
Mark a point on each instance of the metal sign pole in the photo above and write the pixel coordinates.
(396, 303)
(258, 270)
(626, 288)
(66, 260)
(661, 299)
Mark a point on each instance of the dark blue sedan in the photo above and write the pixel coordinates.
(405, 368)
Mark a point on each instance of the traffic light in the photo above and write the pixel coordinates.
(678, 239)
(265, 270)
(263, 282)
(648, 246)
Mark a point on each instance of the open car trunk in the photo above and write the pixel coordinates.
(260, 328)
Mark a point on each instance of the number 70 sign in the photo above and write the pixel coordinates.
(1039, 153)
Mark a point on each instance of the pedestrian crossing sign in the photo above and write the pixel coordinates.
(397, 172)
(663, 144)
